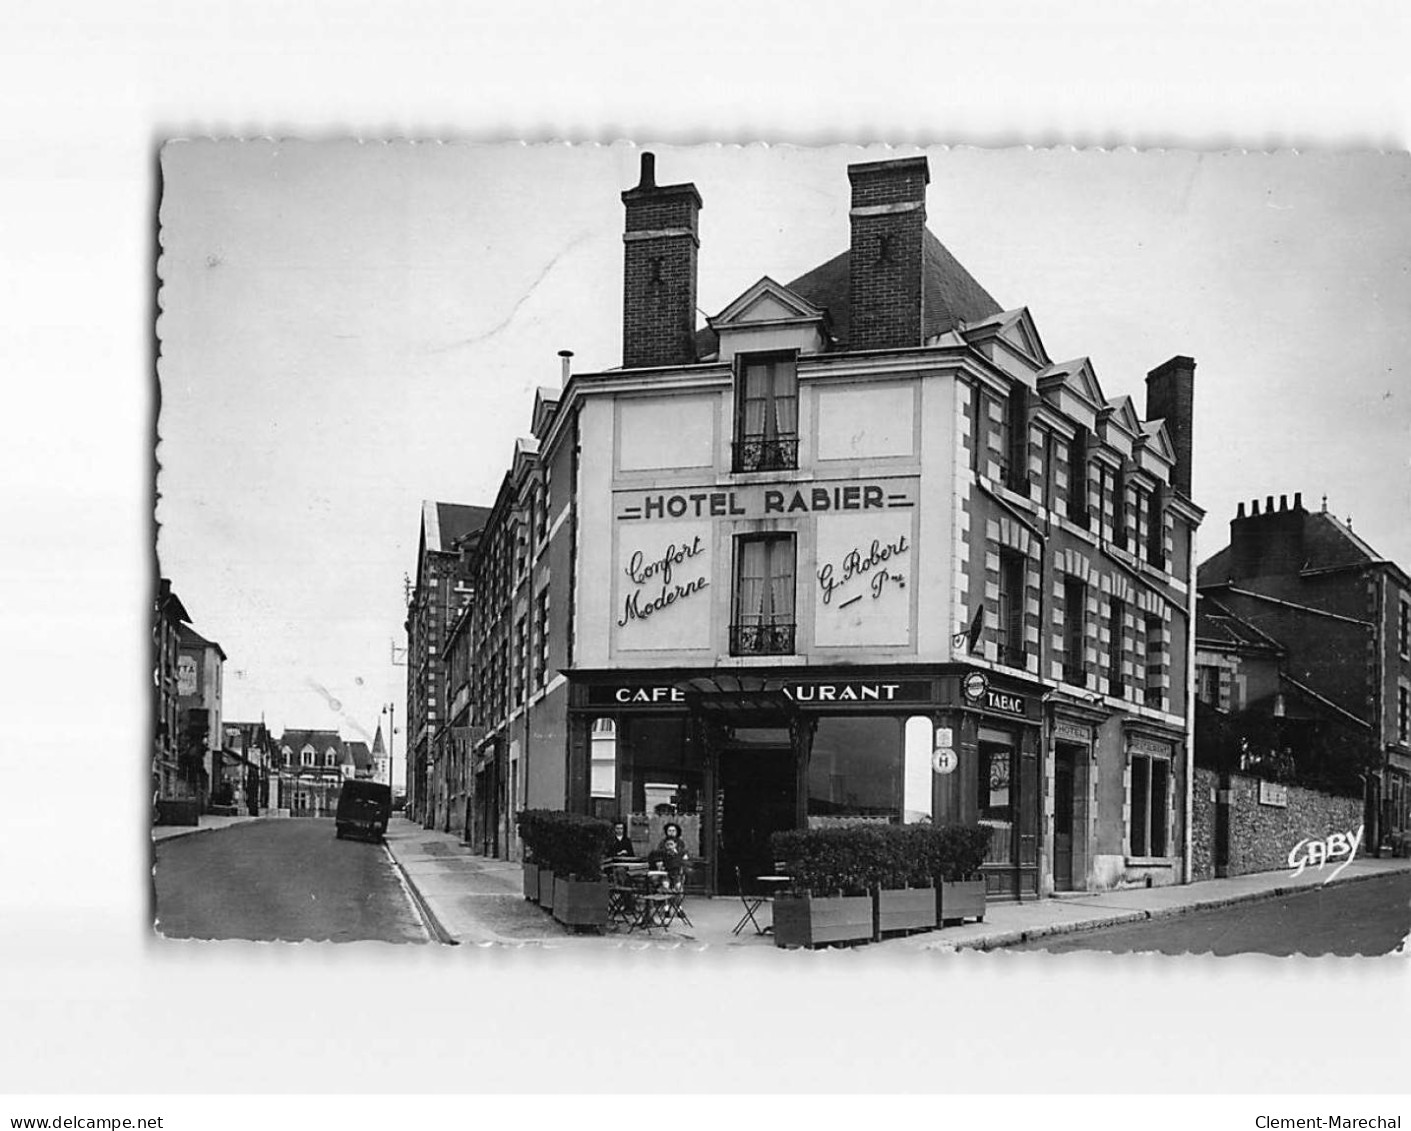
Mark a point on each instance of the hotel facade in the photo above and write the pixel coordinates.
(857, 551)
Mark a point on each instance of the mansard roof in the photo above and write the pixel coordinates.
(951, 296)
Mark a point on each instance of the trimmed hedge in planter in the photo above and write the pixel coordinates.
(897, 868)
(568, 844)
(567, 849)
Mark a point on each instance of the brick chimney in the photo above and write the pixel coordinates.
(1268, 543)
(1170, 396)
(659, 272)
(886, 261)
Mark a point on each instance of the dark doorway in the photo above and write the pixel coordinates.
(1063, 773)
(758, 797)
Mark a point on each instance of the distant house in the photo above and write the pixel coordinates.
(199, 666)
(1341, 615)
(248, 751)
(312, 766)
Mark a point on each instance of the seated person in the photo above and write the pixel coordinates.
(621, 843)
(671, 853)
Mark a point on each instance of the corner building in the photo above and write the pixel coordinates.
(861, 551)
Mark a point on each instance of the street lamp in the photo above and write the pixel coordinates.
(390, 710)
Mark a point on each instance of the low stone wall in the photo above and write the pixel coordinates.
(1261, 836)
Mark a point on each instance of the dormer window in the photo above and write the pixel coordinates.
(766, 412)
(306, 756)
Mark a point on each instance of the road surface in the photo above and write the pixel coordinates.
(1367, 917)
(280, 879)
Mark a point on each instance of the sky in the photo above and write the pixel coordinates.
(350, 328)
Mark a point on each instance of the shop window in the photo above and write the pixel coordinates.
(763, 621)
(1151, 779)
(1115, 618)
(1016, 425)
(855, 769)
(1075, 595)
(766, 412)
(1403, 715)
(602, 776)
(1011, 608)
(666, 771)
(1078, 477)
(918, 745)
(995, 793)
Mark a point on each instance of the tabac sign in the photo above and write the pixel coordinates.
(766, 501)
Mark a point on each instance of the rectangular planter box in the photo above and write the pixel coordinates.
(581, 903)
(963, 900)
(905, 909)
(546, 889)
(531, 882)
(802, 920)
(178, 811)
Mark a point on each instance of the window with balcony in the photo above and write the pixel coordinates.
(1074, 599)
(1011, 608)
(766, 412)
(763, 621)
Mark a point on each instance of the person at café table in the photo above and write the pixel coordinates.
(621, 843)
(671, 853)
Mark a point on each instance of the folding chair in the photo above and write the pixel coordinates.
(752, 903)
(676, 904)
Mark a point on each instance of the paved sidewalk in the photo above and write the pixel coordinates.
(1009, 923)
(474, 899)
(208, 824)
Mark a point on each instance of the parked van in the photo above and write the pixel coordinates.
(363, 809)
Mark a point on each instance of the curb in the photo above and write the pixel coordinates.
(1032, 934)
(187, 830)
(434, 926)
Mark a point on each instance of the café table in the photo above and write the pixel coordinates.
(754, 901)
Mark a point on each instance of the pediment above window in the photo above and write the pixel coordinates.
(1072, 388)
(769, 316)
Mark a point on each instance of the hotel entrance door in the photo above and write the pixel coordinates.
(758, 797)
(1063, 773)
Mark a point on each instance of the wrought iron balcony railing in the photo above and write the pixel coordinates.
(758, 453)
(761, 639)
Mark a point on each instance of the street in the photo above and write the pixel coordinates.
(281, 879)
(1369, 917)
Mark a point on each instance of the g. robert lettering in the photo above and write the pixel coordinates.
(644, 571)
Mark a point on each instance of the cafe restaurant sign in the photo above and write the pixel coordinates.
(806, 693)
(765, 501)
